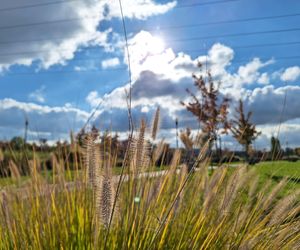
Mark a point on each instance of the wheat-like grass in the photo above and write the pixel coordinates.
(155, 124)
(176, 210)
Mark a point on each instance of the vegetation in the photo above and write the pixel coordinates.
(242, 129)
(73, 196)
(276, 150)
(180, 209)
(210, 111)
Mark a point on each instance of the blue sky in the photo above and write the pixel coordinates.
(59, 60)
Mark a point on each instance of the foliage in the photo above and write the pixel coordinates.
(17, 143)
(182, 210)
(242, 129)
(210, 111)
(276, 151)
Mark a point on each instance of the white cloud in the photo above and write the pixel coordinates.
(264, 78)
(38, 95)
(291, 74)
(93, 99)
(140, 9)
(160, 79)
(220, 56)
(267, 104)
(110, 63)
(57, 42)
(56, 121)
(250, 72)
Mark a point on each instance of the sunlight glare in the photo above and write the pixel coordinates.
(155, 45)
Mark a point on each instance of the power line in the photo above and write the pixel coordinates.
(249, 46)
(45, 23)
(234, 35)
(204, 3)
(74, 19)
(173, 40)
(125, 68)
(65, 72)
(29, 6)
(225, 21)
(196, 50)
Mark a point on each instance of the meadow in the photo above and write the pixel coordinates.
(243, 207)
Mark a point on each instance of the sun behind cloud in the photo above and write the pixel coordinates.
(155, 45)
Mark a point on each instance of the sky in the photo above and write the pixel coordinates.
(62, 60)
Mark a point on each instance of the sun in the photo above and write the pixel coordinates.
(155, 45)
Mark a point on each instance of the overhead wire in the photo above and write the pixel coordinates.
(50, 72)
(30, 6)
(192, 25)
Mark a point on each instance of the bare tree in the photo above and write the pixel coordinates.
(242, 129)
(210, 112)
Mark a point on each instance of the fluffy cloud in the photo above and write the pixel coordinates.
(161, 76)
(249, 73)
(62, 38)
(264, 78)
(38, 95)
(54, 121)
(291, 74)
(110, 63)
(268, 103)
(140, 9)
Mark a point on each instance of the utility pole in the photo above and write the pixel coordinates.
(176, 124)
(26, 130)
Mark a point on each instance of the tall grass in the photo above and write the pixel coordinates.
(174, 210)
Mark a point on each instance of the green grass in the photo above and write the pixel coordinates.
(277, 171)
(69, 175)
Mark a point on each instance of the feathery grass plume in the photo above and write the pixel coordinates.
(235, 182)
(280, 212)
(5, 210)
(140, 151)
(1, 155)
(213, 188)
(167, 183)
(158, 151)
(155, 124)
(175, 161)
(182, 176)
(92, 161)
(58, 168)
(187, 139)
(272, 195)
(105, 192)
(253, 187)
(14, 171)
(34, 171)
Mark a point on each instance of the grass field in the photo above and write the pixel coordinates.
(224, 211)
(274, 171)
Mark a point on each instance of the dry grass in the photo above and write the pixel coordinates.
(178, 210)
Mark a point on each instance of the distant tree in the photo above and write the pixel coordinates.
(289, 151)
(80, 137)
(276, 151)
(109, 143)
(210, 111)
(95, 132)
(297, 151)
(17, 142)
(242, 129)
